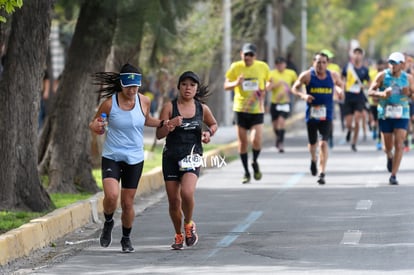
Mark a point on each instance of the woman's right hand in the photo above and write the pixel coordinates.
(174, 122)
(98, 126)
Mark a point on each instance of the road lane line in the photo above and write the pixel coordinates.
(351, 237)
(364, 205)
(253, 216)
(235, 233)
(293, 180)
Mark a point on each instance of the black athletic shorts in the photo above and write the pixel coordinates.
(323, 127)
(247, 120)
(351, 106)
(171, 169)
(276, 111)
(119, 170)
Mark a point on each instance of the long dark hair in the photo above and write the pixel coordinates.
(110, 82)
(202, 94)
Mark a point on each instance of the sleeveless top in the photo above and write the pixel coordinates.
(397, 105)
(322, 90)
(125, 136)
(185, 139)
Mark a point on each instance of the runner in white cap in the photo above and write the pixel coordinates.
(393, 87)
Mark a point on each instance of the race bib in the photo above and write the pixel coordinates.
(250, 85)
(355, 88)
(283, 107)
(393, 111)
(190, 162)
(318, 112)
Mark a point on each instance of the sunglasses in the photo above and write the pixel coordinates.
(249, 54)
(392, 62)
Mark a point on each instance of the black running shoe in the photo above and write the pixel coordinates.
(246, 178)
(256, 171)
(389, 164)
(106, 235)
(393, 180)
(321, 179)
(126, 245)
(191, 237)
(353, 147)
(313, 168)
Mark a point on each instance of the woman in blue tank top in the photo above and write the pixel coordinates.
(393, 87)
(126, 112)
(182, 156)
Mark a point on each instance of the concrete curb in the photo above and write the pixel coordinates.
(43, 231)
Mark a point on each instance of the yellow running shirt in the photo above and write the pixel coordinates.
(280, 94)
(334, 67)
(246, 96)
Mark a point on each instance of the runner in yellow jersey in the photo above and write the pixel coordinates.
(281, 79)
(248, 78)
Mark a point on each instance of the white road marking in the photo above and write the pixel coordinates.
(351, 237)
(364, 205)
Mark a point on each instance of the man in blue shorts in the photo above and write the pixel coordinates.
(321, 84)
(393, 87)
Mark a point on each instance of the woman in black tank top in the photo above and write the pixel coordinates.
(182, 156)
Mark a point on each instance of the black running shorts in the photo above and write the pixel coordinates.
(119, 170)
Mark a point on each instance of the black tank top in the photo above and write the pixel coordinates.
(187, 137)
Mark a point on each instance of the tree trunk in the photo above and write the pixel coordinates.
(67, 155)
(20, 87)
(216, 87)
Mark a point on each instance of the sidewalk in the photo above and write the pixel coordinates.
(43, 231)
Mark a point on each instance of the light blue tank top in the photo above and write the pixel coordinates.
(397, 99)
(125, 136)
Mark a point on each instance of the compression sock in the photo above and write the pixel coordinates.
(108, 217)
(126, 232)
(255, 155)
(244, 159)
(282, 135)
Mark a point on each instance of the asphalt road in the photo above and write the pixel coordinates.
(284, 224)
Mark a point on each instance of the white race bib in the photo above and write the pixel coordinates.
(393, 111)
(190, 162)
(283, 107)
(250, 85)
(318, 112)
(355, 88)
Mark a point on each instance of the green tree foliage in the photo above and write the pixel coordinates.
(376, 24)
(155, 21)
(197, 38)
(9, 7)
(248, 23)
(328, 21)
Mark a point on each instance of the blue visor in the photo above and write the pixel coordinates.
(130, 79)
(392, 62)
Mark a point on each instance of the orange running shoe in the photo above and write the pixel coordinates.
(178, 242)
